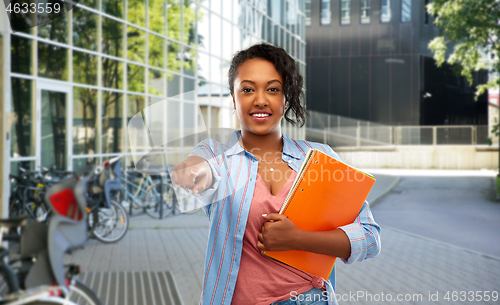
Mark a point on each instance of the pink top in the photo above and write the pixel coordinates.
(261, 279)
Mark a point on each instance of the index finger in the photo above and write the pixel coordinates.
(271, 217)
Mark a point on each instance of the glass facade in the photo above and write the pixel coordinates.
(115, 58)
(386, 13)
(325, 12)
(345, 9)
(426, 20)
(405, 10)
(308, 12)
(365, 11)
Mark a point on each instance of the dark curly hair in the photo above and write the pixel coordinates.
(286, 67)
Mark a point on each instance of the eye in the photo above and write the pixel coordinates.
(246, 90)
(274, 89)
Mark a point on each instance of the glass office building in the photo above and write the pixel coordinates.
(77, 81)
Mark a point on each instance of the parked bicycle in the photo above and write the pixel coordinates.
(36, 254)
(29, 189)
(152, 192)
(108, 220)
(145, 195)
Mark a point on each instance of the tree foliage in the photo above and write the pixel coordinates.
(472, 27)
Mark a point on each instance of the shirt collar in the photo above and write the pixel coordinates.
(289, 148)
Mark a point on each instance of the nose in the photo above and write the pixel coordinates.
(260, 99)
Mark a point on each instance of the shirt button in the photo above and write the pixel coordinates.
(250, 179)
(289, 161)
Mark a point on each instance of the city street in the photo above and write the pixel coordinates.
(455, 207)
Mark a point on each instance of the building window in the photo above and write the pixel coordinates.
(308, 12)
(345, 10)
(405, 10)
(325, 12)
(385, 15)
(365, 11)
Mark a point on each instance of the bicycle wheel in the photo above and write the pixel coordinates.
(109, 225)
(128, 203)
(81, 294)
(153, 197)
(132, 208)
(16, 207)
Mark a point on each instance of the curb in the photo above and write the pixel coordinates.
(386, 192)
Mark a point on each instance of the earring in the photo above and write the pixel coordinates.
(286, 105)
(234, 110)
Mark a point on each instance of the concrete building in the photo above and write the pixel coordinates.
(369, 60)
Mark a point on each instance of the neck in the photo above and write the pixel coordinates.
(270, 143)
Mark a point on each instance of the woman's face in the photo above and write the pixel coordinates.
(258, 97)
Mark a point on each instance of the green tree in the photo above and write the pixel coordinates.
(473, 28)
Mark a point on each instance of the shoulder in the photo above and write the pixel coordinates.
(221, 139)
(209, 149)
(210, 144)
(304, 146)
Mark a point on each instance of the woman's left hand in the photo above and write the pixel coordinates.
(277, 234)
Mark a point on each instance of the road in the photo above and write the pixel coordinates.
(455, 207)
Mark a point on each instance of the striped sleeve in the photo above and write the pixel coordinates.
(209, 150)
(364, 234)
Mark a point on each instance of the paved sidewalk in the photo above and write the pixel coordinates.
(413, 268)
(175, 244)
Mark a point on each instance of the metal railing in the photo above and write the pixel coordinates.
(338, 131)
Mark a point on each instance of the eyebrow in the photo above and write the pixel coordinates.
(269, 82)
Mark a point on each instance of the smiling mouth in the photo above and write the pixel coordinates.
(260, 115)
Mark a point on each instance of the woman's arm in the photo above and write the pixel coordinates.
(354, 242)
(208, 154)
(194, 173)
(279, 234)
(333, 243)
(364, 235)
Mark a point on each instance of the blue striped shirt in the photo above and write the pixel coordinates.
(227, 204)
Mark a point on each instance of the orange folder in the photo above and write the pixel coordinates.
(326, 194)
